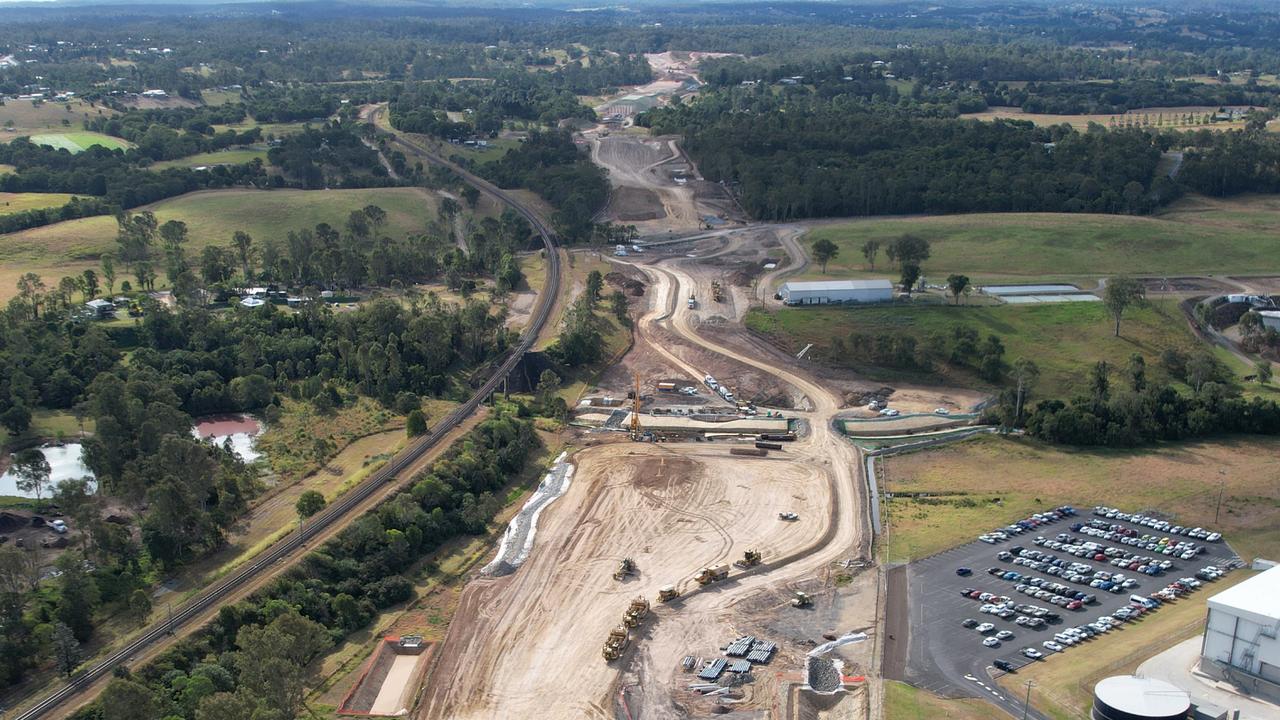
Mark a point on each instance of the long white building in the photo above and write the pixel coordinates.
(1241, 642)
(824, 292)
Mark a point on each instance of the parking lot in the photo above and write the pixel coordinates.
(951, 660)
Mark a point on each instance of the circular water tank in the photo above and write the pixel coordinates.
(1126, 697)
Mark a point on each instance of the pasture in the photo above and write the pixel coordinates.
(1196, 236)
(211, 216)
(19, 202)
(235, 156)
(26, 117)
(1064, 340)
(1166, 118)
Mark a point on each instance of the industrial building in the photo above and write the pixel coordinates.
(825, 292)
(1270, 318)
(1240, 636)
(1128, 697)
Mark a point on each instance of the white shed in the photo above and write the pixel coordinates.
(824, 292)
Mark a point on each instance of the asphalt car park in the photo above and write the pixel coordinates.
(1052, 582)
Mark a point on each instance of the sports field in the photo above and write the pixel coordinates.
(80, 141)
(18, 202)
(1064, 340)
(1194, 236)
(211, 216)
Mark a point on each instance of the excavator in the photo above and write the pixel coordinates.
(801, 600)
(750, 558)
(626, 567)
(615, 643)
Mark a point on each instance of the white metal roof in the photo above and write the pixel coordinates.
(1029, 289)
(1253, 599)
(1144, 697)
(828, 285)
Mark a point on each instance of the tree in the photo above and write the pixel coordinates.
(272, 659)
(78, 595)
(174, 235)
(310, 503)
(416, 423)
(32, 472)
(139, 605)
(1025, 373)
(109, 272)
(1262, 371)
(910, 249)
(618, 306)
(1121, 293)
(824, 251)
(17, 417)
(548, 385)
(595, 283)
(66, 649)
(124, 699)
(957, 284)
(89, 281)
(243, 244)
(31, 290)
(870, 249)
(910, 273)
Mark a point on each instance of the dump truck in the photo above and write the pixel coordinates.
(636, 612)
(626, 567)
(750, 558)
(693, 303)
(712, 574)
(667, 593)
(615, 643)
(768, 445)
(801, 600)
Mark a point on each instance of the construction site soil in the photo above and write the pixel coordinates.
(656, 187)
(528, 645)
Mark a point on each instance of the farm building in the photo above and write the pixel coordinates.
(101, 309)
(836, 291)
(1241, 642)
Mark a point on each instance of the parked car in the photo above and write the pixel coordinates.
(1004, 635)
(991, 642)
(969, 623)
(985, 628)
(1032, 653)
(964, 571)
(1004, 665)
(1051, 645)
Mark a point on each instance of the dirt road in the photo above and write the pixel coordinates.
(529, 644)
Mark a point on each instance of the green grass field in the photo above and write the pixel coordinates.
(220, 97)
(18, 202)
(212, 216)
(1182, 479)
(6, 169)
(277, 129)
(237, 156)
(1195, 236)
(1063, 339)
(80, 141)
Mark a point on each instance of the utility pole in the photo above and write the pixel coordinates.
(1026, 704)
(1222, 488)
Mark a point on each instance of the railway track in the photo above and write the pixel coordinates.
(341, 510)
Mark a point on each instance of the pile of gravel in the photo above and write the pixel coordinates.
(822, 675)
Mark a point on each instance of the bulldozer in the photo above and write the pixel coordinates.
(667, 593)
(626, 567)
(615, 643)
(801, 600)
(750, 558)
(636, 612)
(712, 574)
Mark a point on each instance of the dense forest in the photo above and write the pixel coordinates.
(814, 158)
(550, 164)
